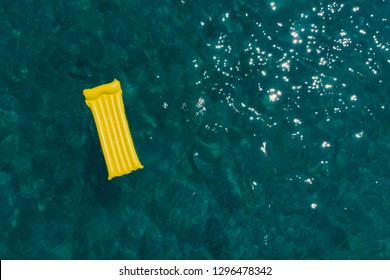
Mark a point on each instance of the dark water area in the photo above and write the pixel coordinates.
(263, 127)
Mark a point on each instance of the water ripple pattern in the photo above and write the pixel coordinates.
(263, 127)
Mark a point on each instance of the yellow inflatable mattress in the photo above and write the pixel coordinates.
(108, 111)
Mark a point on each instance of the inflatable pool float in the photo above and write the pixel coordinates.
(106, 104)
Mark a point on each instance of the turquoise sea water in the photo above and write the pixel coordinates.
(263, 127)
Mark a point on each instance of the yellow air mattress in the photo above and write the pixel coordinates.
(108, 111)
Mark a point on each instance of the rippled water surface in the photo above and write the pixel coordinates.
(263, 127)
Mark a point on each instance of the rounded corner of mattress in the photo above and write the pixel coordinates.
(109, 88)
